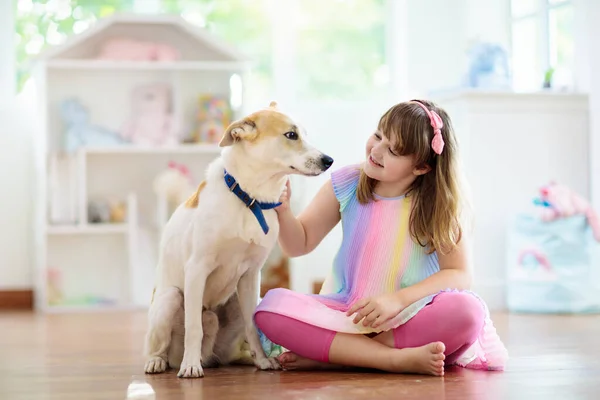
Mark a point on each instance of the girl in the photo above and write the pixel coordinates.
(396, 299)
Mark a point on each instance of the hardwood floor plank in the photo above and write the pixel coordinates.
(99, 356)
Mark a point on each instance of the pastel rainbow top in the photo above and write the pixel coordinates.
(377, 254)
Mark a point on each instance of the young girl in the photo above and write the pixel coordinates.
(397, 298)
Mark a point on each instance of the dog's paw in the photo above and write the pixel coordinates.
(190, 371)
(267, 364)
(155, 365)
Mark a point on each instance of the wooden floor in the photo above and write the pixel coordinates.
(98, 356)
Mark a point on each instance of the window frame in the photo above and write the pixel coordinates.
(542, 14)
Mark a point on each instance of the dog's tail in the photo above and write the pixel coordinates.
(192, 202)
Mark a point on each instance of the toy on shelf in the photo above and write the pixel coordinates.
(214, 115)
(152, 122)
(107, 211)
(125, 49)
(53, 285)
(174, 184)
(488, 66)
(80, 132)
(559, 201)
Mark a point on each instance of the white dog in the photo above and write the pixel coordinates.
(215, 244)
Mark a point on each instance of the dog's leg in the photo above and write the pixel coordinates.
(175, 354)
(248, 289)
(161, 317)
(196, 272)
(210, 324)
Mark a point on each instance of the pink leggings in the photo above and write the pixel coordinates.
(454, 318)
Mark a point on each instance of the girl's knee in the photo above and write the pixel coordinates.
(262, 320)
(465, 310)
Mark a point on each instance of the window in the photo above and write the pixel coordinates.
(341, 49)
(39, 24)
(542, 40)
(338, 47)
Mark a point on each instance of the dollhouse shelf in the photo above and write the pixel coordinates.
(212, 149)
(88, 229)
(84, 266)
(149, 65)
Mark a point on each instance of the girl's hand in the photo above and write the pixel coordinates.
(376, 310)
(284, 199)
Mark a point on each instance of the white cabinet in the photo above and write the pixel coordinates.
(513, 143)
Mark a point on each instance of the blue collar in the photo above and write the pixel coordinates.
(255, 206)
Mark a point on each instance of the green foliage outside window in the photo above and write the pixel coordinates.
(340, 44)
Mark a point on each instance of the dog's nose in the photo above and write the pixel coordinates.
(326, 161)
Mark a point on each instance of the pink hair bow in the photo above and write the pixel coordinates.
(437, 144)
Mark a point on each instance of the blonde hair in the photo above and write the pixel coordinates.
(435, 219)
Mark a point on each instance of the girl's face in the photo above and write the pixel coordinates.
(385, 165)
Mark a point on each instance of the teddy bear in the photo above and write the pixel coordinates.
(80, 132)
(559, 201)
(125, 49)
(152, 122)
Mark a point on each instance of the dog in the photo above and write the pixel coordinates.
(214, 245)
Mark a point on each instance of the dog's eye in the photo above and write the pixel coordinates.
(291, 135)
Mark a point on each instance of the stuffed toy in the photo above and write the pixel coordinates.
(559, 201)
(214, 115)
(174, 184)
(151, 122)
(53, 287)
(118, 212)
(98, 212)
(124, 49)
(79, 132)
(107, 211)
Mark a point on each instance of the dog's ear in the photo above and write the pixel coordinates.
(238, 130)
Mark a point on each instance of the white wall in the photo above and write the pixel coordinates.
(587, 15)
(15, 162)
(17, 188)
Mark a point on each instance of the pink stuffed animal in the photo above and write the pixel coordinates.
(175, 184)
(151, 122)
(563, 202)
(136, 50)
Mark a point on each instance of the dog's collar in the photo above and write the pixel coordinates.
(255, 206)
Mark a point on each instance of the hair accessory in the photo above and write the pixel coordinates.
(437, 144)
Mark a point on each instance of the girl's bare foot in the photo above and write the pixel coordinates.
(290, 361)
(428, 359)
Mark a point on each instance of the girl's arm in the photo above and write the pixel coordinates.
(455, 273)
(299, 236)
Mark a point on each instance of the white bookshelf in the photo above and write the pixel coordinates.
(110, 266)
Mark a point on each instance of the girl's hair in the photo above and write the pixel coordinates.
(437, 205)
